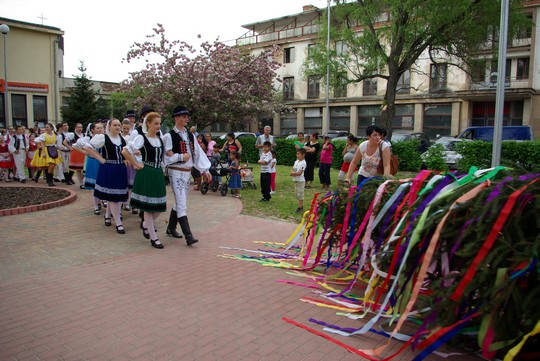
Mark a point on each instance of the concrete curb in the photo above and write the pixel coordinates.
(72, 197)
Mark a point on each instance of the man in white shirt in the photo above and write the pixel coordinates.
(182, 152)
(265, 137)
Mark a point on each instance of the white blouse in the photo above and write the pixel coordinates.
(98, 141)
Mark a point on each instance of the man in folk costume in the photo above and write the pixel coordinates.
(130, 114)
(18, 147)
(182, 152)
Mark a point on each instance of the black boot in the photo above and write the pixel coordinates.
(49, 177)
(66, 178)
(184, 224)
(38, 174)
(171, 227)
(70, 175)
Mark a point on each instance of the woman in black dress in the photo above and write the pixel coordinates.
(312, 148)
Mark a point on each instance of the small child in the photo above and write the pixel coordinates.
(6, 161)
(264, 160)
(214, 162)
(273, 164)
(298, 178)
(32, 147)
(235, 182)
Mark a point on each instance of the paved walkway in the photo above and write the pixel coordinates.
(73, 289)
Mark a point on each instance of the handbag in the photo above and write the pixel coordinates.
(53, 152)
(394, 162)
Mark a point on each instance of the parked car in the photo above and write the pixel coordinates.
(240, 135)
(425, 143)
(517, 132)
(451, 156)
(336, 133)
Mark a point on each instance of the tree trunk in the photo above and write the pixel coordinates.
(389, 104)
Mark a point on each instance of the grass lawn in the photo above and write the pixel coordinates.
(283, 204)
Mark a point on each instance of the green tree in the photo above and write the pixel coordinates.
(384, 39)
(82, 103)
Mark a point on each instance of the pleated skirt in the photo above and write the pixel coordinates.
(149, 193)
(111, 182)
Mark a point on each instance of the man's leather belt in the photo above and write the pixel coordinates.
(181, 169)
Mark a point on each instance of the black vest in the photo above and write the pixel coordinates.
(111, 151)
(179, 145)
(17, 142)
(151, 155)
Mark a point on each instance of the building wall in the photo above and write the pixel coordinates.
(31, 71)
(440, 113)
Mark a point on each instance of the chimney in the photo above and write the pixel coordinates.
(307, 8)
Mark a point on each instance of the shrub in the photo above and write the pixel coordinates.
(409, 158)
(434, 158)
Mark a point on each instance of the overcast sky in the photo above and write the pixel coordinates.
(100, 32)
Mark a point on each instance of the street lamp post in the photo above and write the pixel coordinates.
(5, 30)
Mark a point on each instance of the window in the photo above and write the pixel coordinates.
(437, 120)
(522, 69)
(340, 118)
(312, 120)
(478, 71)
(438, 77)
(341, 48)
(288, 88)
(288, 123)
(340, 87)
(368, 115)
(40, 109)
(314, 82)
(288, 55)
(311, 49)
(494, 69)
(526, 31)
(404, 83)
(370, 86)
(18, 109)
(404, 117)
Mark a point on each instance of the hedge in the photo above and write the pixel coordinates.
(478, 153)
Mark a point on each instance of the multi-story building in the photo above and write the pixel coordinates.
(35, 64)
(438, 99)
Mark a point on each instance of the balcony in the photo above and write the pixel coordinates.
(277, 35)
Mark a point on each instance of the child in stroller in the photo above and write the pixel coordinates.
(217, 170)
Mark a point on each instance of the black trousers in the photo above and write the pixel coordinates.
(265, 185)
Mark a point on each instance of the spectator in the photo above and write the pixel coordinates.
(265, 137)
(368, 153)
(209, 144)
(326, 163)
(273, 168)
(312, 148)
(264, 161)
(299, 143)
(348, 155)
(231, 144)
(298, 178)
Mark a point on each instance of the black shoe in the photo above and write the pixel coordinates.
(81, 187)
(157, 245)
(23, 180)
(299, 210)
(120, 229)
(144, 231)
(173, 233)
(134, 211)
(107, 220)
(97, 212)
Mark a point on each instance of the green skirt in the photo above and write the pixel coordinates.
(149, 193)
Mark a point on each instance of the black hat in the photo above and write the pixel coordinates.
(181, 110)
(146, 109)
(131, 113)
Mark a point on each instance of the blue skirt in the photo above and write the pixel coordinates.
(91, 166)
(111, 182)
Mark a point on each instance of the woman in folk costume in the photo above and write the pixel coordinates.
(47, 157)
(91, 164)
(111, 181)
(146, 153)
(126, 134)
(76, 158)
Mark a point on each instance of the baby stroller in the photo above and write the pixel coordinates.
(220, 179)
(246, 173)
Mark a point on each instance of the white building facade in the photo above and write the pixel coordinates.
(438, 99)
